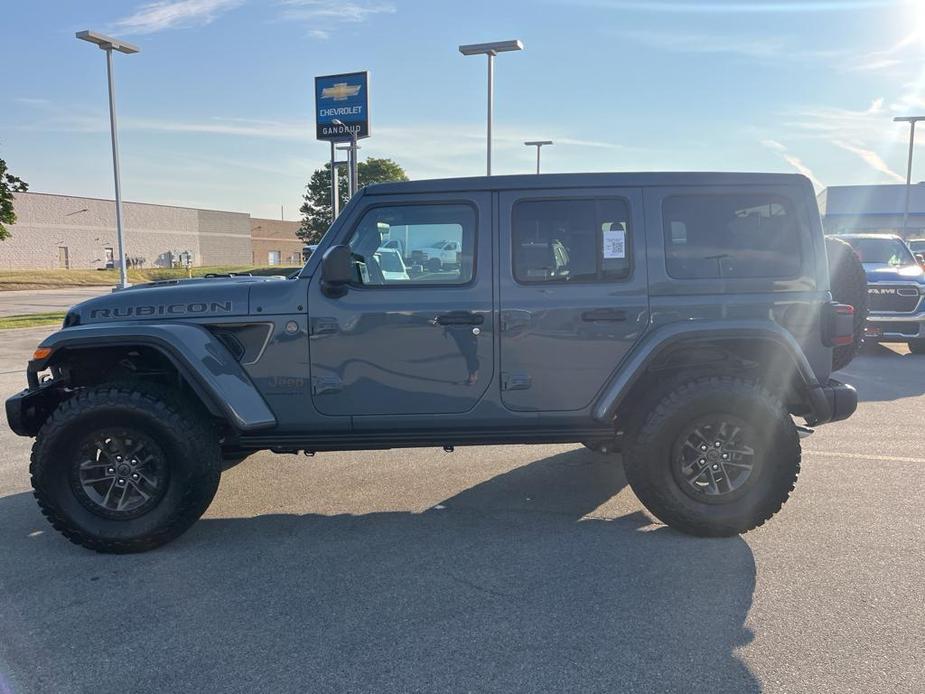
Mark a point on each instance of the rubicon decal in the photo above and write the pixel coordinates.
(146, 310)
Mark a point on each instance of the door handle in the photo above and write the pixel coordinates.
(459, 318)
(603, 314)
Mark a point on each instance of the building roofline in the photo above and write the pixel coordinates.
(133, 202)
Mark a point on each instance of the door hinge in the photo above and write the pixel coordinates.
(515, 381)
(326, 384)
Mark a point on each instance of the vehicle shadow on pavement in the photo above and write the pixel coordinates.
(867, 374)
(505, 589)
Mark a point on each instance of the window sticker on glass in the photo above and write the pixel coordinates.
(615, 242)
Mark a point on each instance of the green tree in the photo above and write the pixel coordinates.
(316, 206)
(9, 184)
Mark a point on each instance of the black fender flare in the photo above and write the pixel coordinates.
(206, 364)
(670, 335)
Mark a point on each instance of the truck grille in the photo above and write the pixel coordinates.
(899, 298)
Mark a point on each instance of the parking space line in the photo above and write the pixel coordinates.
(865, 456)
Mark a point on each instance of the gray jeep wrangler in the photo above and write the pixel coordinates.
(682, 319)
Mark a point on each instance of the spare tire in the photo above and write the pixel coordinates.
(849, 286)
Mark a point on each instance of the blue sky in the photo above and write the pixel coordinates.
(216, 109)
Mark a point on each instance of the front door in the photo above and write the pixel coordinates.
(573, 293)
(413, 335)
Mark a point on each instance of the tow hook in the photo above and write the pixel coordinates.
(448, 449)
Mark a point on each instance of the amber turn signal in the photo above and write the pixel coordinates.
(41, 353)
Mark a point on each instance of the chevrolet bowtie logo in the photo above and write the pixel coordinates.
(340, 91)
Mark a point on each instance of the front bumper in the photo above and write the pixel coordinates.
(27, 410)
(894, 327)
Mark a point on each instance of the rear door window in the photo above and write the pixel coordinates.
(573, 240)
(728, 236)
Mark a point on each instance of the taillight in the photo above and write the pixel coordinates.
(839, 326)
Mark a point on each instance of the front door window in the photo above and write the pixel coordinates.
(415, 244)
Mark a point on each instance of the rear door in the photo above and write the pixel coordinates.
(573, 293)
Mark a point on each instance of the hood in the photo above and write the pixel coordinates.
(172, 299)
(882, 272)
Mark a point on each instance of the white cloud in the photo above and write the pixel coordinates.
(733, 7)
(323, 16)
(861, 132)
(870, 157)
(173, 14)
(794, 161)
(775, 145)
(31, 101)
(774, 48)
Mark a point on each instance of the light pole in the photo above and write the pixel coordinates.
(109, 44)
(491, 50)
(539, 145)
(911, 120)
(335, 197)
(351, 150)
(353, 155)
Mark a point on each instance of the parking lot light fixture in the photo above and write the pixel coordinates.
(110, 44)
(491, 50)
(539, 144)
(911, 120)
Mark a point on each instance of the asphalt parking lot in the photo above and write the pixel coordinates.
(490, 569)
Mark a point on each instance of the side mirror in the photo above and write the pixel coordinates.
(920, 258)
(337, 271)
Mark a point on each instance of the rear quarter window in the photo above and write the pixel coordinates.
(729, 236)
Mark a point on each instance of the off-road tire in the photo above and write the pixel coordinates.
(849, 286)
(434, 264)
(916, 346)
(648, 458)
(191, 453)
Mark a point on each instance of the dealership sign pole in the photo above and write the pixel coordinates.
(342, 115)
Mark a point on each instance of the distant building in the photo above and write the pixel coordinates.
(273, 242)
(875, 208)
(62, 231)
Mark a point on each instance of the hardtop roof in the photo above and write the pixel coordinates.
(586, 180)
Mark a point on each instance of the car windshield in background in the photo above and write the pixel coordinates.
(882, 251)
(917, 245)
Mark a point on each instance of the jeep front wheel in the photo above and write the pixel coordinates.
(715, 457)
(123, 469)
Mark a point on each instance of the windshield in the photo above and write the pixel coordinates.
(882, 251)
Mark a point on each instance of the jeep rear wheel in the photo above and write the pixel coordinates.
(123, 469)
(715, 457)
